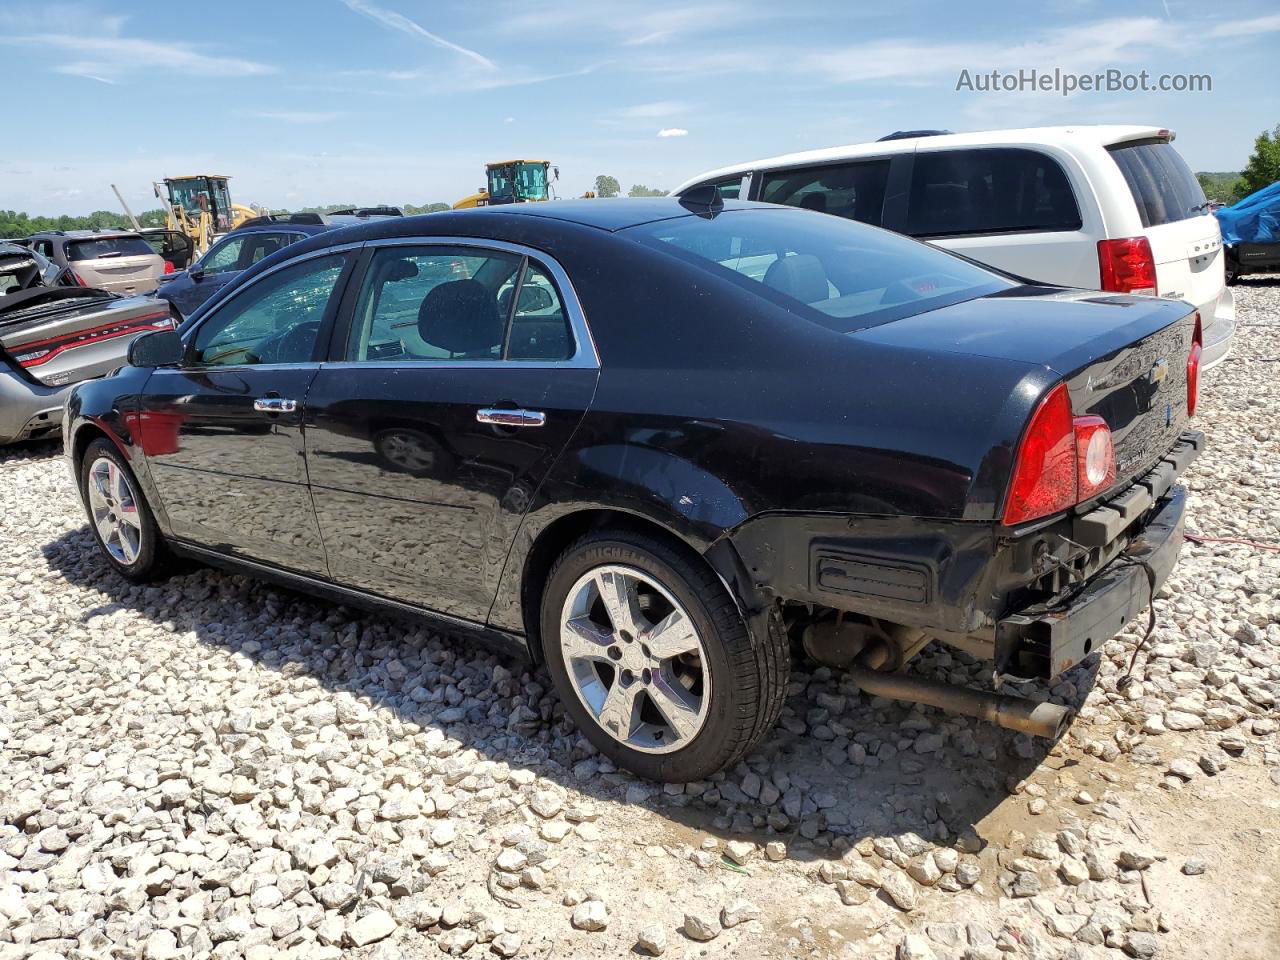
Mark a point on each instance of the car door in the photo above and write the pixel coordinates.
(223, 430)
(462, 373)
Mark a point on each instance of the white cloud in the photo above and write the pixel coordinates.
(648, 111)
(398, 21)
(108, 55)
(1247, 28)
(673, 132)
(297, 116)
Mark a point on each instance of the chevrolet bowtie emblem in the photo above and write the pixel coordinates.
(1159, 370)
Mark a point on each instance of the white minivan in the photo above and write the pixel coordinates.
(1103, 207)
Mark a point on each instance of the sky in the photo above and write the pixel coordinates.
(404, 101)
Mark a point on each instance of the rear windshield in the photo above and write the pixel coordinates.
(102, 247)
(1163, 186)
(840, 274)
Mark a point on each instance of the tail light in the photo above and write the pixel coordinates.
(78, 279)
(1062, 460)
(168, 268)
(1193, 369)
(1127, 265)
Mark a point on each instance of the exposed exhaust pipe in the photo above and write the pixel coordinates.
(1047, 720)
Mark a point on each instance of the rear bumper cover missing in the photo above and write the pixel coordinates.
(1069, 632)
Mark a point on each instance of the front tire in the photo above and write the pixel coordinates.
(653, 660)
(119, 516)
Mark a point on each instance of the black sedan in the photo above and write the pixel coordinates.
(655, 444)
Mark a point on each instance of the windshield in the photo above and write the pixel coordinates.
(531, 181)
(499, 183)
(838, 273)
(102, 247)
(1163, 186)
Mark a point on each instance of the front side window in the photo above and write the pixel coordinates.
(224, 257)
(259, 246)
(990, 190)
(456, 303)
(851, 190)
(731, 188)
(838, 274)
(276, 320)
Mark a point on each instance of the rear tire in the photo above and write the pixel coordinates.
(119, 515)
(653, 660)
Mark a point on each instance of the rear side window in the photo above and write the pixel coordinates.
(838, 274)
(1163, 186)
(104, 247)
(851, 190)
(446, 303)
(996, 190)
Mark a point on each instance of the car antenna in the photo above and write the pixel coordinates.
(704, 199)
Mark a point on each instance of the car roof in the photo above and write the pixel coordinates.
(1101, 135)
(603, 213)
(8, 249)
(106, 234)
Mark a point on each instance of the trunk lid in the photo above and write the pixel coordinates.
(58, 339)
(1123, 358)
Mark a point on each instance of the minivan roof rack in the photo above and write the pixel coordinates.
(911, 134)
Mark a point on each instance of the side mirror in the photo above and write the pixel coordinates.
(196, 274)
(163, 348)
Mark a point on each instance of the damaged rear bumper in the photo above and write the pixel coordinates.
(1067, 632)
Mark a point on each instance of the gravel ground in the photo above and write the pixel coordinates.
(212, 767)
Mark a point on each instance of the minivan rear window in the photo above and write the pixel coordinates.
(101, 247)
(1163, 186)
(989, 190)
(839, 274)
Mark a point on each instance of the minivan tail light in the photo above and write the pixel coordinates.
(1126, 265)
(1193, 369)
(168, 267)
(1062, 460)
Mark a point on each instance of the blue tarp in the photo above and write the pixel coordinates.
(1255, 219)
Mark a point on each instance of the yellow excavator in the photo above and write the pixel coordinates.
(513, 181)
(200, 207)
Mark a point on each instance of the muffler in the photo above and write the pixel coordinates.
(1047, 720)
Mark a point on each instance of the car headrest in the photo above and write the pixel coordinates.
(801, 276)
(814, 201)
(462, 317)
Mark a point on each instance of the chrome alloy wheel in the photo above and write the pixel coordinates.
(635, 659)
(114, 507)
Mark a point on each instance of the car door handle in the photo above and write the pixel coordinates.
(511, 418)
(275, 405)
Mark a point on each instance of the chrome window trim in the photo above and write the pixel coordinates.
(201, 320)
(585, 356)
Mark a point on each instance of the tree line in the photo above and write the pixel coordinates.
(1262, 170)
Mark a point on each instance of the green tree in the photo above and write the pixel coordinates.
(1222, 187)
(606, 186)
(640, 190)
(1263, 168)
(15, 225)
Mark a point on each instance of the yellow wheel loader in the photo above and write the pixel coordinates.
(513, 181)
(200, 207)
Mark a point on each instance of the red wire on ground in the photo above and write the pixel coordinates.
(1196, 538)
